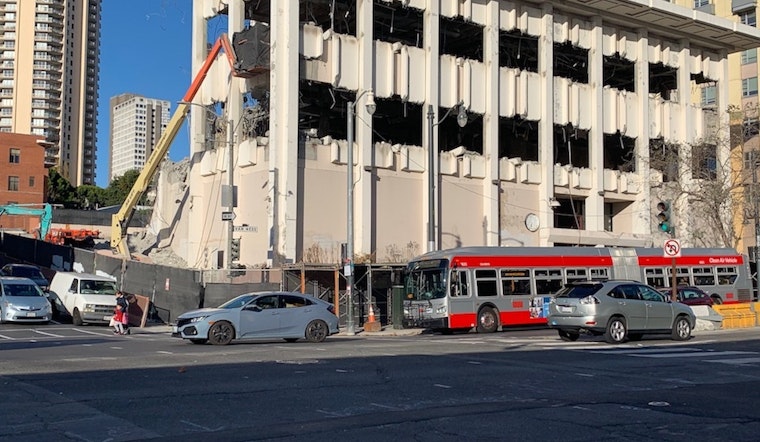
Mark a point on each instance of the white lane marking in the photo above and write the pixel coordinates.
(92, 332)
(165, 352)
(441, 386)
(734, 361)
(90, 359)
(585, 375)
(693, 355)
(7, 337)
(52, 335)
(644, 351)
(474, 362)
(201, 426)
(388, 407)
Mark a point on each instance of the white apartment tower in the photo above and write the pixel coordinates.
(489, 122)
(136, 125)
(49, 52)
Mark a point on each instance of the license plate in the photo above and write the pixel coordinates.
(31, 315)
(565, 309)
(106, 318)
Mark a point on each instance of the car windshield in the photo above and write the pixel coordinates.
(27, 272)
(21, 290)
(238, 302)
(578, 291)
(90, 287)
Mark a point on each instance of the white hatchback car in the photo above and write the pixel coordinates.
(21, 300)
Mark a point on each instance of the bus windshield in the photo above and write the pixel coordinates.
(426, 280)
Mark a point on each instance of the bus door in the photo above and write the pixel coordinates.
(519, 305)
(461, 314)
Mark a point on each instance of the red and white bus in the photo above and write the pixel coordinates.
(489, 287)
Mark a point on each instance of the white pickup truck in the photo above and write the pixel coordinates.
(87, 298)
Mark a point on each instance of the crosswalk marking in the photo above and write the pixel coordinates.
(741, 361)
(662, 352)
(711, 354)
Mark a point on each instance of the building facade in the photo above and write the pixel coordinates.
(136, 126)
(514, 123)
(22, 177)
(50, 53)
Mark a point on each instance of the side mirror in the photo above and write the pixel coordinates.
(253, 308)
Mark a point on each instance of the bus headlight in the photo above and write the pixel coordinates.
(441, 310)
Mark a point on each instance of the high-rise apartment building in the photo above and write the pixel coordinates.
(49, 50)
(136, 125)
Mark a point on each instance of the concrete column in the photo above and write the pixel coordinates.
(594, 218)
(642, 210)
(491, 185)
(283, 130)
(365, 221)
(198, 55)
(546, 124)
(680, 205)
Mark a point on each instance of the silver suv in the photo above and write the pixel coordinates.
(620, 310)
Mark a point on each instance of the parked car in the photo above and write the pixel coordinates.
(86, 297)
(690, 295)
(22, 300)
(261, 315)
(619, 310)
(26, 271)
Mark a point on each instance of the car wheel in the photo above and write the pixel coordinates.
(316, 331)
(635, 336)
(198, 341)
(616, 330)
(76, 318)
(291, 340)
(716, 300)
(221, 333)
(681, 329)
(488, 322)
(568, 335)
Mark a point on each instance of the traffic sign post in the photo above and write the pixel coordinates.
(228, 216)
(672, 249)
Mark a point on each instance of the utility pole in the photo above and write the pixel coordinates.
(231, 189)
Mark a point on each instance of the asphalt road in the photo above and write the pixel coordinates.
(61, 382)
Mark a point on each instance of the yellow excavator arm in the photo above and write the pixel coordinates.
(120, 221)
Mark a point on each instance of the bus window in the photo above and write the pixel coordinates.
(574, 275)
(515, 282)
(682, 275)
(599, 274)
(655, 277)
(548, 281)
(485, 282)
(727, 275)
(459, 286)
(703, 276)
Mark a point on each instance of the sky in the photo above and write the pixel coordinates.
(144, 50)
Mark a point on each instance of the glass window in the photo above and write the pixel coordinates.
(748, 17)
(599, 274)
(703, 276)
(13, 183)
(459, 283)
(647, 294)
(708, 95)
(749, 87)
(485, 282)
(576, 275)
(515, 282)
(15, 156)
(31, 181)
(749, 56)
(700, 3)
(548, 281)
(655, 277)
(727, 275)
(682, 275)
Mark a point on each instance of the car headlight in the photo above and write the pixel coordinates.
(89, 308)
(198, 318)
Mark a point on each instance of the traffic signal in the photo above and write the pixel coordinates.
(234, 249)
(664, 217)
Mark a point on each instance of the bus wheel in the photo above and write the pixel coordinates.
(488, 322)
(568, 335)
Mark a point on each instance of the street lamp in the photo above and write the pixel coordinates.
(461, 121)
(349, 265)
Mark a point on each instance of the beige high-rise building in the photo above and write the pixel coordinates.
(136, 126)
(48, 84)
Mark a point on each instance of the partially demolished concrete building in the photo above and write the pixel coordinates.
(539, 118)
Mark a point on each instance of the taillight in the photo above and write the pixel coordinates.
(589, 300)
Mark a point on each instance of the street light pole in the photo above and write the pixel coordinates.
(231, 189)
(461, 121)
(349, 264)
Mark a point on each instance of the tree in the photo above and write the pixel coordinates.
(60, 191)
(706, 181)
(90, 197)
(120, 186)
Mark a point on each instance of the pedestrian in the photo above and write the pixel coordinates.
(122, 305)
(116, 320)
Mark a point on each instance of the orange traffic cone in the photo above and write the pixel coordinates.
(372, 325)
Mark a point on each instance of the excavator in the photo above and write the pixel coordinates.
(42, 210)
(120, 221)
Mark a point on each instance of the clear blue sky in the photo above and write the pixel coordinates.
(145, 50)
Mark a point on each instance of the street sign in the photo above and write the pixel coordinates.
(671, 249)
(228, 216)
(245, 229)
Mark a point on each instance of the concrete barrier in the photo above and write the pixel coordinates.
(707, 318)
(740, 315)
